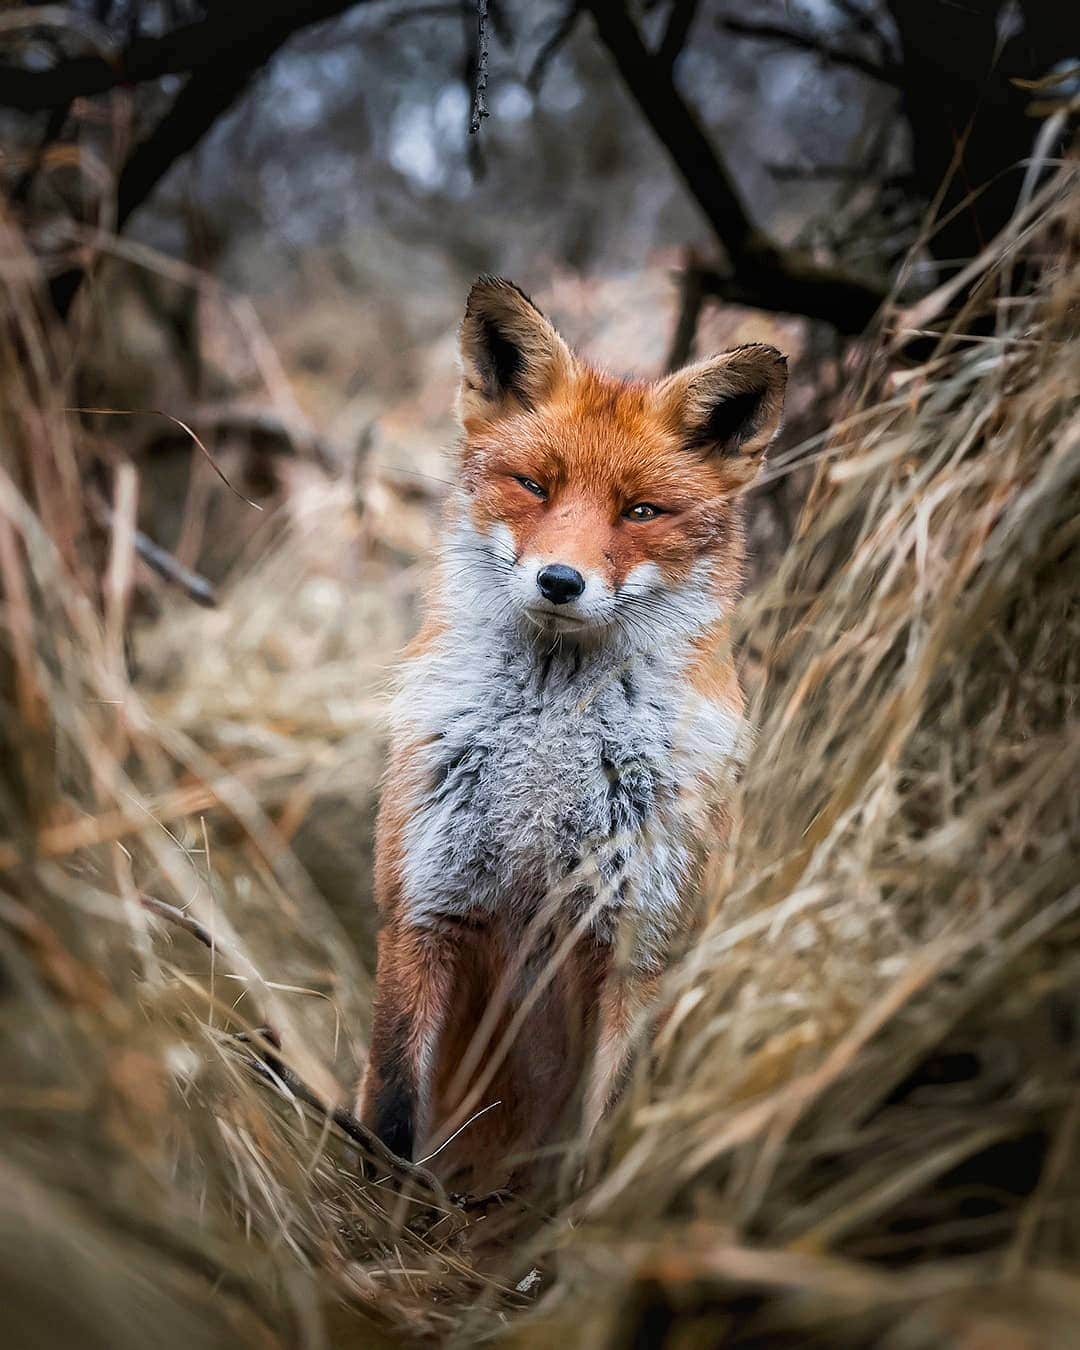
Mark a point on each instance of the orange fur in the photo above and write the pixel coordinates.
(598, 447)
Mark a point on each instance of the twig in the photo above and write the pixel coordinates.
(164, 563)
(844, 301)
(692, 298)
(222, 52)
(270, 1069)
(680, 21)
(181, 918)
(226, 29)
(551, 45)
(480, 76)
(55, 125)
(171, 569)
(886, 73)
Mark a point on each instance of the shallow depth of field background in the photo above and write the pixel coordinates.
(227, 429)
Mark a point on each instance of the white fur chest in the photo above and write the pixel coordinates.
(549, 773)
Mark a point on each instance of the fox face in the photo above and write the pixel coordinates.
(595, 507)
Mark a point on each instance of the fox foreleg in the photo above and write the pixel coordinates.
(625, 1000)
(414, 979)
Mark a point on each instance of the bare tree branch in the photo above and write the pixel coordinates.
(690, 302)
(797, 285)
(763, 275)
(171, 569)
(53, 127)
(886, 73)
(224, 53)
(233, 28)
(480, 75)
(863, 21)
(550, 48)
(680, 21)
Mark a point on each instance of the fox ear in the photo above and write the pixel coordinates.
(729, 405)
(511, 356)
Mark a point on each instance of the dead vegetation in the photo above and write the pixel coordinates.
(860, 1125)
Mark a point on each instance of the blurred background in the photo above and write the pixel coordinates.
(235, 244)
(301, 194)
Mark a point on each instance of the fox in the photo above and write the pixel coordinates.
(566, 737)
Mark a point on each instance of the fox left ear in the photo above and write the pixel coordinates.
(511, 355)
(729, 405)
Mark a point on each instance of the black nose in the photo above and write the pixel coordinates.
(559, 583)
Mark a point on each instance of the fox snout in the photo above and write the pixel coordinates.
(559, 583)
(562, 597)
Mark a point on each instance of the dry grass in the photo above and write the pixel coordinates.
(860, 1124)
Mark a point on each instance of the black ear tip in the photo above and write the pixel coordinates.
(760, 351)
(488, 287)
(484, 287)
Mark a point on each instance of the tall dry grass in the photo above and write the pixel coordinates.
(860, 1122)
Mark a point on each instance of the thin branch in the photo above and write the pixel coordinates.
(226, 29)
(182, 919)
(863, 21)
(223, 52)
(651, 86)
(800, 286)
(552, 45)
(272, 1070)
(172, 570)
(763, 275)
(164, 563)
(480, 75)
(53, 127)
(886, 73)
(680, 21)
(691, 300)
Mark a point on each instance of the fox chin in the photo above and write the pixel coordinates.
(566, 738)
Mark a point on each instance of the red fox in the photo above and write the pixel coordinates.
(565, 736)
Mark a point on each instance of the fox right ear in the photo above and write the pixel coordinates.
(729, 407)
(511, 356)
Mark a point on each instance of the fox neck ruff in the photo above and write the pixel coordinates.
(557, 776)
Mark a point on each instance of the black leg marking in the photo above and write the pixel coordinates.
(395, 1114)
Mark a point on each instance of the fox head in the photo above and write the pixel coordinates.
(593, 506)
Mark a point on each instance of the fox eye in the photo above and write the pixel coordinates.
(642, 511)
(531, 485)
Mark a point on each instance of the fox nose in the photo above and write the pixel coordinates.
(560, 584)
